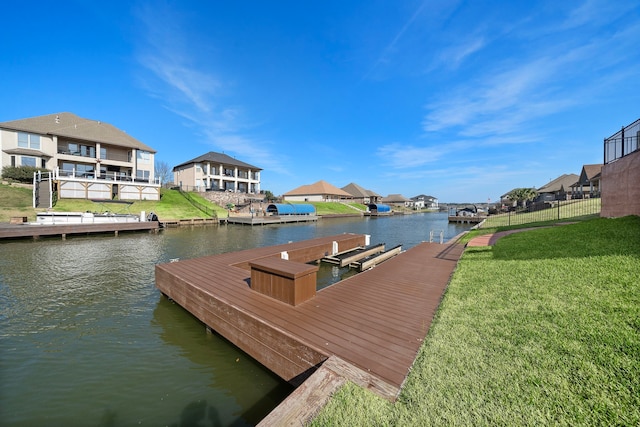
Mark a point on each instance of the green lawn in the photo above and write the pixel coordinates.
(565, 210)
(541, 329)
(335, 208)
(16, 201)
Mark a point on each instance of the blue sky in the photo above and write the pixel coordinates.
(461, 100)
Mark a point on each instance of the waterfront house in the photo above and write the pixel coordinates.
(217, 172)
(87, 159)
(361, 195)
(320, 191)
(557, 189)
(423, 201)
(588, 184)
(397, 200)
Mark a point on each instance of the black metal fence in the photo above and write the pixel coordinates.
(545, 211)
(206, 209)
(623, 142)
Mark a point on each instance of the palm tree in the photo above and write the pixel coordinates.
(522, 195)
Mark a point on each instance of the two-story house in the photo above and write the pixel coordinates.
(217, 171)
(88, 159)
(423, 201)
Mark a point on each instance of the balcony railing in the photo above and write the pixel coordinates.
(623, 142)
(108, 176)
(113, 156)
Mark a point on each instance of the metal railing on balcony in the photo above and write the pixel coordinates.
(622, 143)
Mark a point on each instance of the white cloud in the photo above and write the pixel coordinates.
(195, 90)
(407, 156)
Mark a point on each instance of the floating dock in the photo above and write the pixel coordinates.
(374, 322)
(270, 219)
(466, 219)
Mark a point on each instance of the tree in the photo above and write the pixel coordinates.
(268, 195)
(521, 195)
(163, 172)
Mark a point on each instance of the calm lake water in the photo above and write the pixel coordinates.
(87, 340)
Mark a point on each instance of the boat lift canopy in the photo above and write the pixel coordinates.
(291, 209)
(380, 208)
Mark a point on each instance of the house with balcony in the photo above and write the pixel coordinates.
(217, 172)
(588, 184)
(620, 173)
(86, 159)
(423, 201)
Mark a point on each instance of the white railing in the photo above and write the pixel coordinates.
(108, 176)
(38, 177)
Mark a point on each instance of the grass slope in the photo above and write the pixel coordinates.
(541, 329)
(17, 201)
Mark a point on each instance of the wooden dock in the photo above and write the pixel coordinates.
(271, 219)
(169, 223)
(21, 231)
(466, 219)
(374, 321)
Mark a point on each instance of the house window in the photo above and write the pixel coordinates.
(28, 161)
(83, 171)
(103, 153)
(88, 151)
(28, 140)
(76, 149)
(143, 156)
(142, 175)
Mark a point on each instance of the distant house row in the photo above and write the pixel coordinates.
(90, 159)
(568, 186)
(323, 191)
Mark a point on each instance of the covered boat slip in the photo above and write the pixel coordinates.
(378, 209)
(374, 321)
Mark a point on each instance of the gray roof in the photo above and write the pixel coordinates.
(423, 197)
(220, 158)
(71, 126)
(561, 183)
(355, 190)
(395, 198)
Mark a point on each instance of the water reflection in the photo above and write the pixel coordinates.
(85, 337)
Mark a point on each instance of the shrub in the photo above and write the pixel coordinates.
(20, 173)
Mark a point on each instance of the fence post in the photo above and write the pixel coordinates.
(559, 202)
